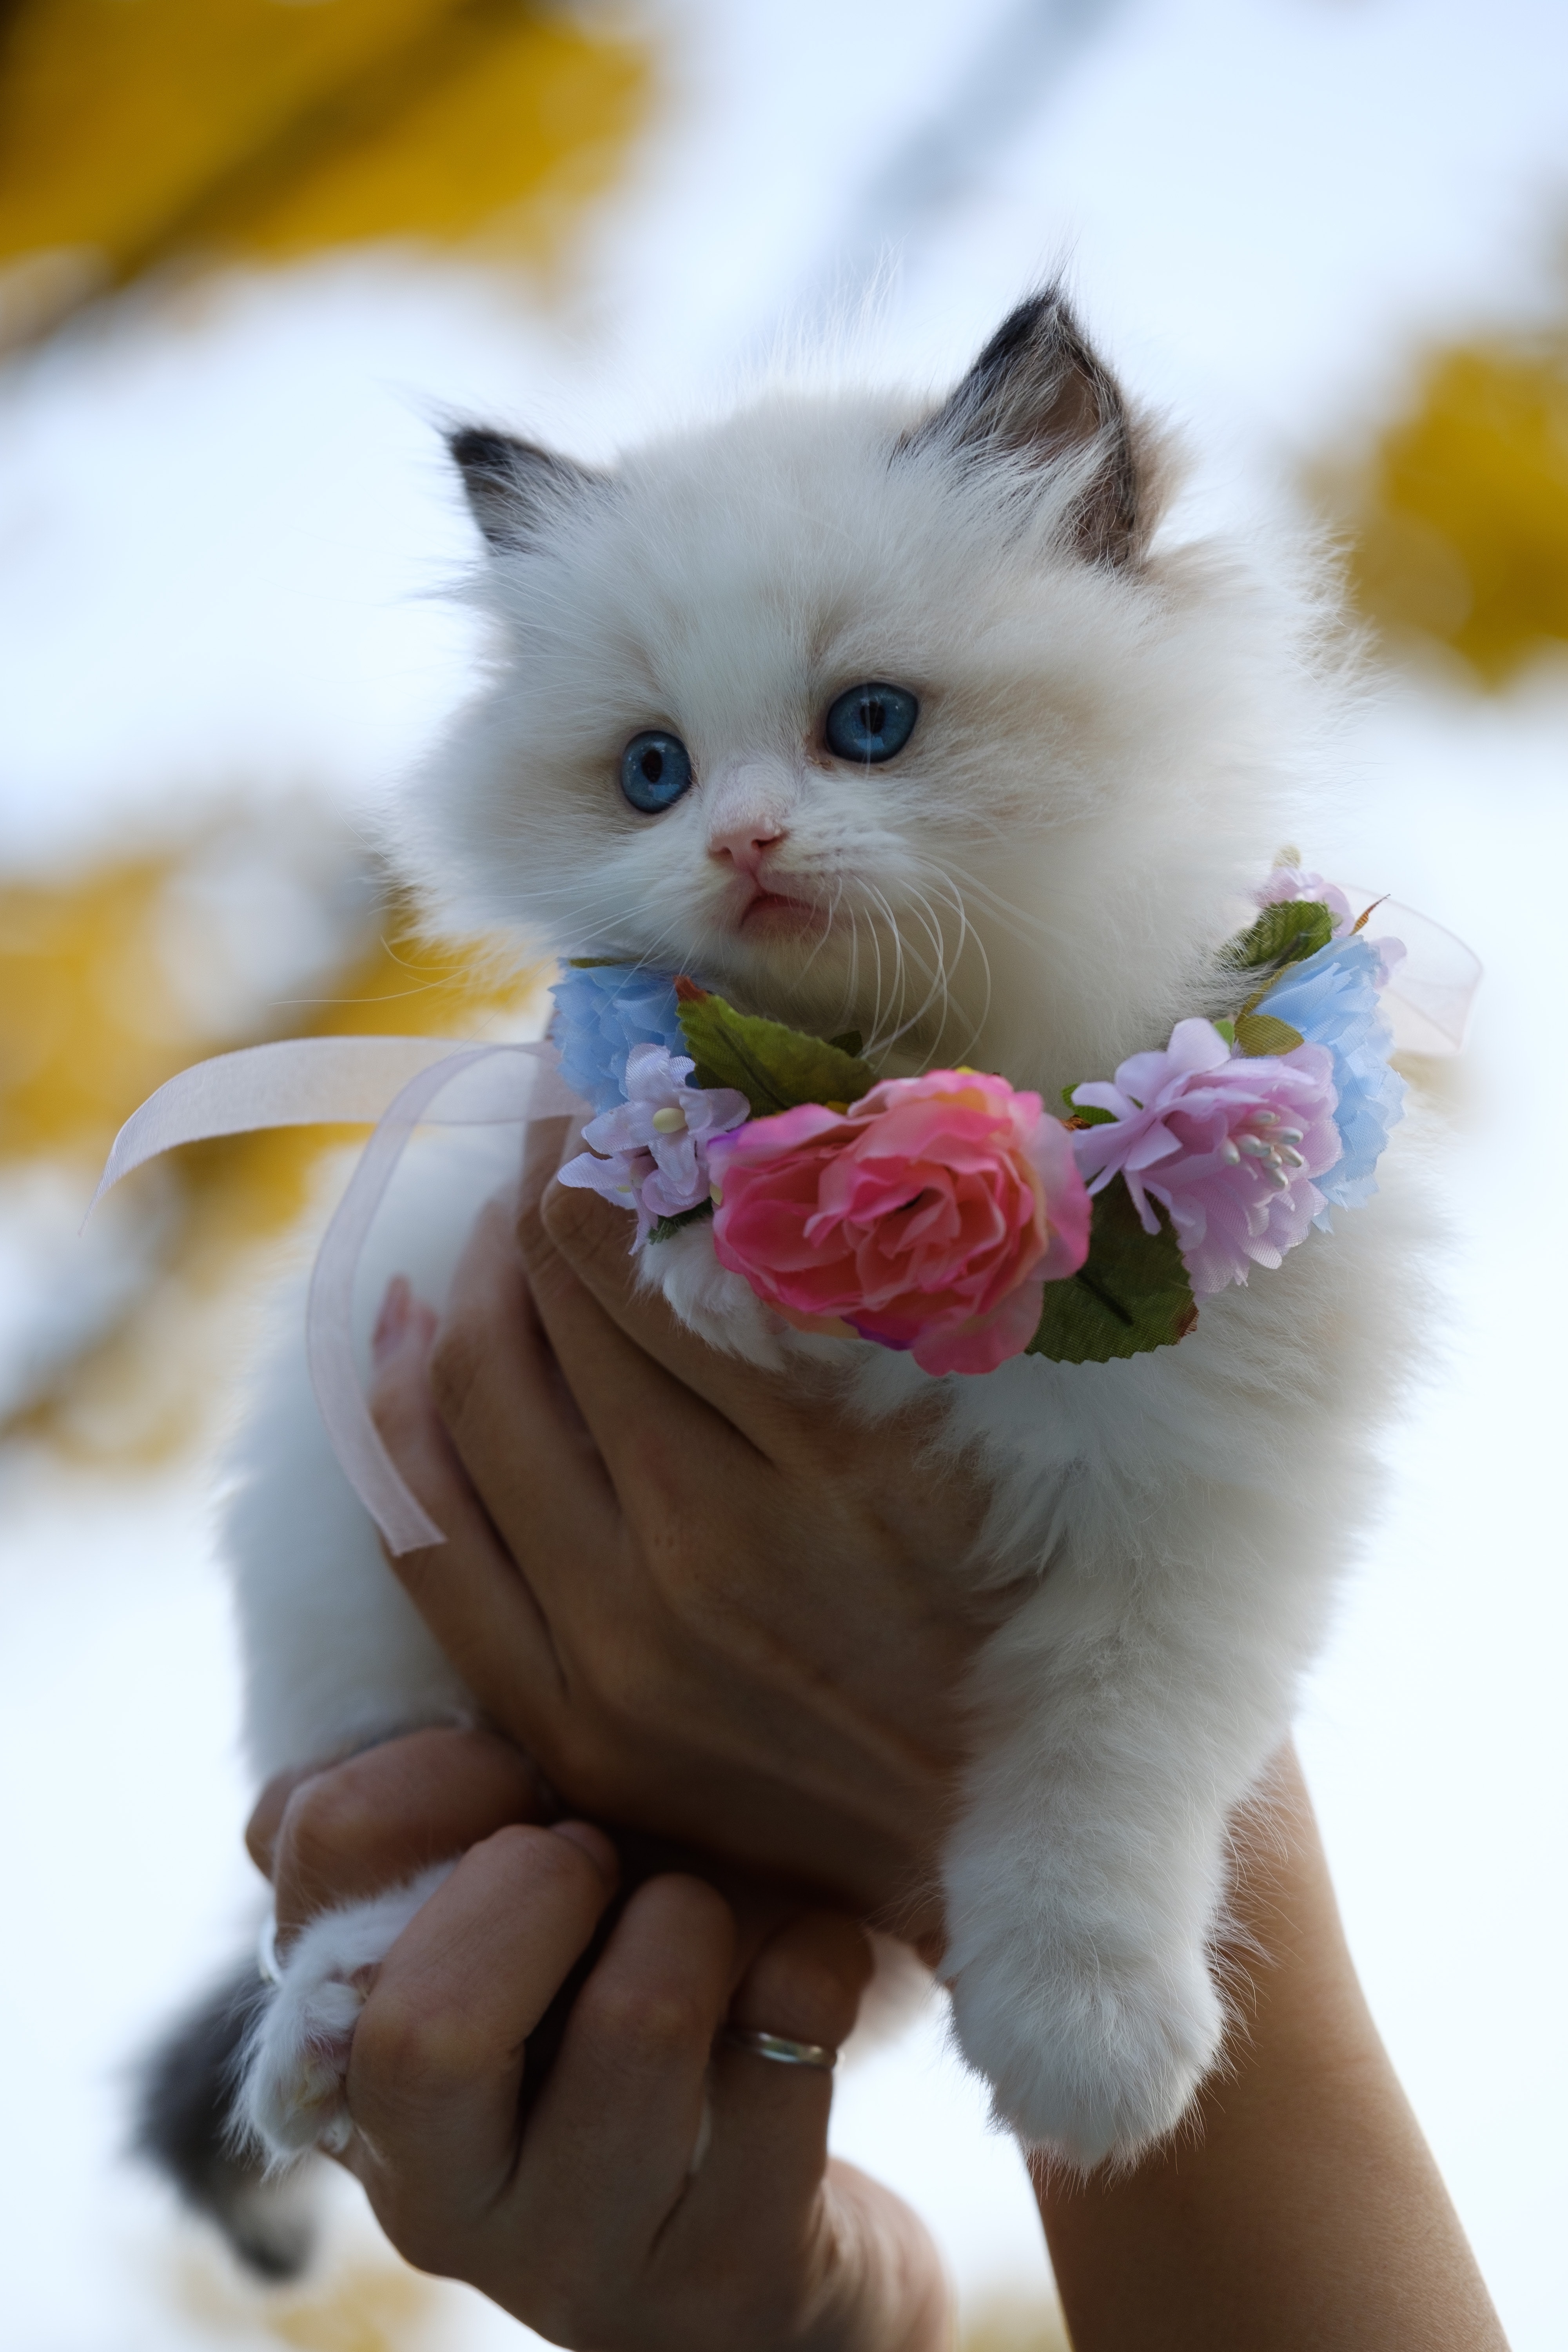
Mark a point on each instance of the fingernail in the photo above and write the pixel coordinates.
(391, 1323)
(598, 1848)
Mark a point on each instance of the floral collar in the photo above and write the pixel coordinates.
(949, 1215)
(952, 1216)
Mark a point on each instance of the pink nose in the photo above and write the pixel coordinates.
(745, 843)
(743, 825)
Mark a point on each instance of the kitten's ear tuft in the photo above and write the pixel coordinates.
(1038, 392)
(514, 487)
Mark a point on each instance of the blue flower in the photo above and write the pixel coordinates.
(602, 1011)
(1332, 998)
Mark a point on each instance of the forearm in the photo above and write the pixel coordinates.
(1304, 2210)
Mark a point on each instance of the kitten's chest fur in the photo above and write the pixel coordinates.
(1281, 1391)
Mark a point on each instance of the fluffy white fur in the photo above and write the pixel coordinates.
(291, 2098)
(1114, 738)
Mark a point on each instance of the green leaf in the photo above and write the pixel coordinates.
(1130, 1295)
(773, 1067)
(662, 1227)
(1080, 1115)
(1227, 1031)
(1282, 934)
(849, 1041)
(1260, 1033)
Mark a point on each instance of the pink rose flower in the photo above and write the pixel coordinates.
(1228, 1144)
(929, 1216)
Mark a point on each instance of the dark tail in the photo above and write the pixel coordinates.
(184, 2096)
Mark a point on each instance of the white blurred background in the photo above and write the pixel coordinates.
(224, 525)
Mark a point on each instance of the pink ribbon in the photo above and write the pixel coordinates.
(399, 1083)
(1429, 994)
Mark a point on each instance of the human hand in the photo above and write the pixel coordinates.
(592, 2219)
(706, 1598)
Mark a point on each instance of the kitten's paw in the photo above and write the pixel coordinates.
(291, 2095)
(1087, 2059)
(719, 1305)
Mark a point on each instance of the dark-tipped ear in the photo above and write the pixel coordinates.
(513, 486)
(1038, 392)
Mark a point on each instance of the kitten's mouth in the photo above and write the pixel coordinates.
(772, 914)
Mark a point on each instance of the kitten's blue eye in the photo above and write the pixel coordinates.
(871, 723)
(656, 769)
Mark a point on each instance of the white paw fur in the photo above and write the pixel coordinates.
(292, 2097)
(719, 1305)
(1088, 2059)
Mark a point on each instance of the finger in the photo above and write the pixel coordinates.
(627, 1398)
(438, 2051)
(552, 1475)
(500, 1396)
(502, 1605)
(382, 1816)
(807, 1981)
(610, 2150)
(566, 1229)
(770, 2118)
(267, 1815)
(546, 1143)
(473, 1592)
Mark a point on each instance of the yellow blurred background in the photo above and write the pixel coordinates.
(153, 140)
(146, 138)
(157, 135)
(1458, 517)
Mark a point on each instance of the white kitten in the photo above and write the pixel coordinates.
(1108, 752)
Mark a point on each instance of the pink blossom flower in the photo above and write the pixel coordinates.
(1228, 1144)
(1289, 882)
(655, 1143)
(929, 1216)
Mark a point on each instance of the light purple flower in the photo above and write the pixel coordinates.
(1227, 1143)
(655, 1144)
(1288, 883)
